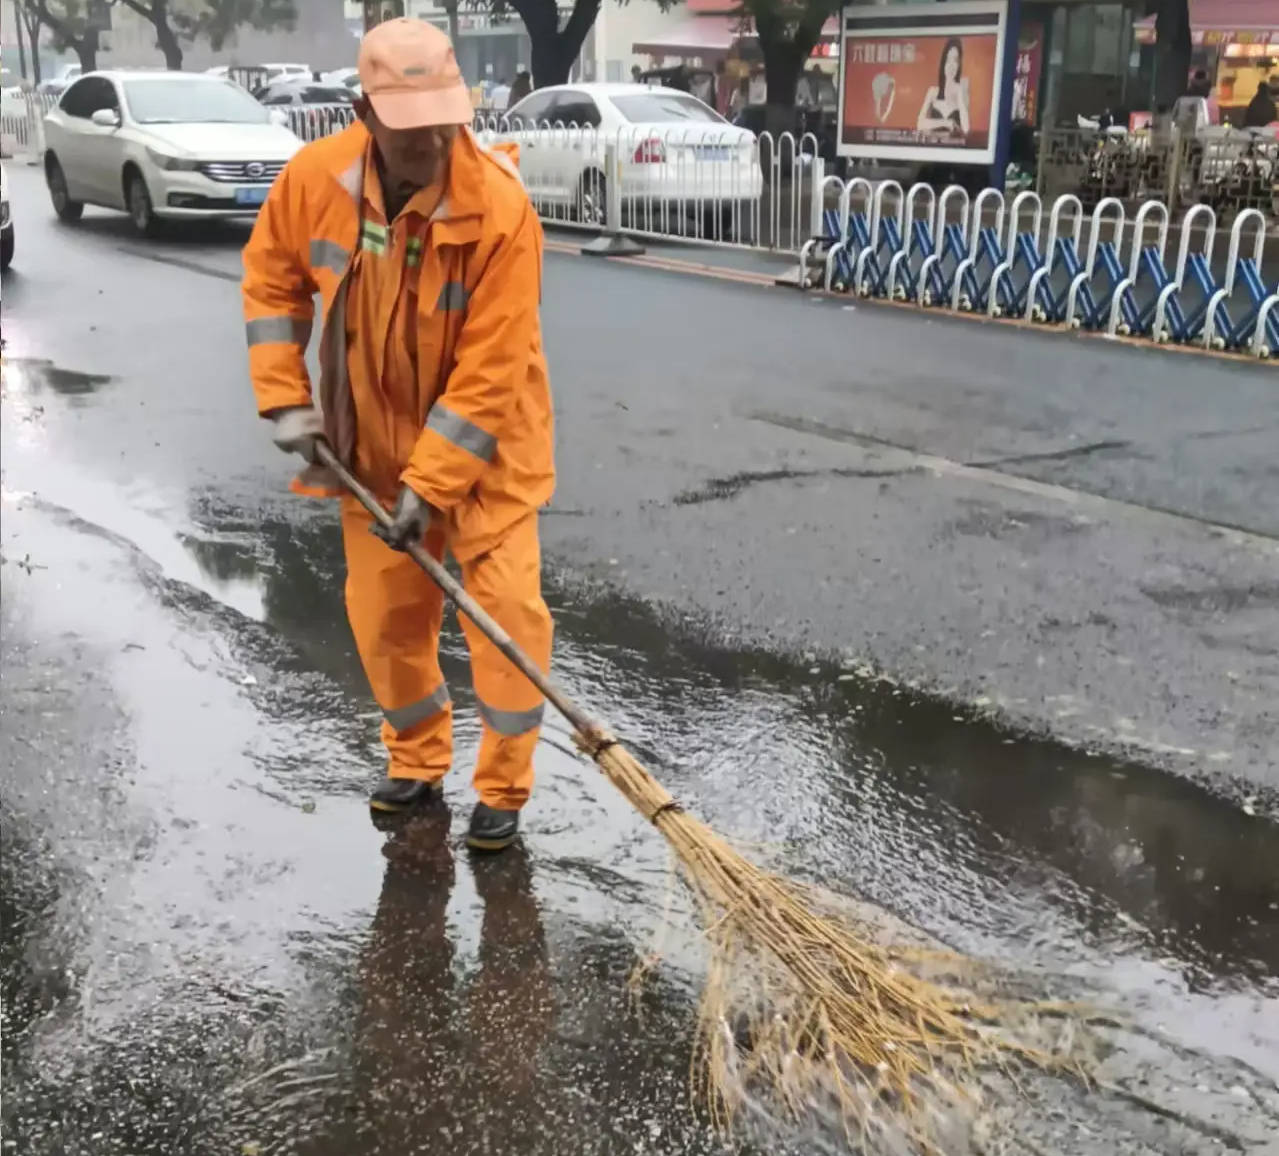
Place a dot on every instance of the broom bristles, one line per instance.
(805, 1015)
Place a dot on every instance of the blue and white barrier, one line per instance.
(997, 258)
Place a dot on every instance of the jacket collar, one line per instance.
(457, 219)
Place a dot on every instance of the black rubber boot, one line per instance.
(395, 795)
(491, 829)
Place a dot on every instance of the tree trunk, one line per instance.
(542, 23)
(782, 65)
(167, 42)
(576, 29)
(450, 8)
(85, 46)
(782, 69)
(31, 19)
(87, 51)
(1172, 52)
(785, 50)
(156, 13)
(554, 50)
(548, 64)
(20, 20)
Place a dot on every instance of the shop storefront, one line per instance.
(1235, 41)
(1074, 58)
(718, 48)
(1091, 67)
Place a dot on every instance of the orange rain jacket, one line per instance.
(473, 435)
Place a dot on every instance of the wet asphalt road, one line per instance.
(763, 537)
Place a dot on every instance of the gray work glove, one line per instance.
(297, 430)
(409, 521)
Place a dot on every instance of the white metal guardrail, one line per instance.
(706, 182)
(312, 121)
(22, 122)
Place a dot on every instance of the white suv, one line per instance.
(162, 145)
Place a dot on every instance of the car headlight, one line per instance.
(165, 161)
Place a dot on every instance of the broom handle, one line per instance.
(587, 728)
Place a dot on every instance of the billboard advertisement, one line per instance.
(922, 82)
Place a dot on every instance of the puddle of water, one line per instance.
(909, 793)
(227, 913)
(27, 378)
(154, 522)
(1002, 845)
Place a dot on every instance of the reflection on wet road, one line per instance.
(204, 950)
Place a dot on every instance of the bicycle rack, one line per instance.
(1106, 253)
(1174, 321)
(1126, 315)
(934, 283)
(834, 231)
(1233, 336)
(839, 259)
(969, 292)
(871, 272)
(1042, 304)
(919, 241)
(1021, 248)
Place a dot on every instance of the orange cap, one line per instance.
(410, 75)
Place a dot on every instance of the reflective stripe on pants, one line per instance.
(403, 718)
(395, 613)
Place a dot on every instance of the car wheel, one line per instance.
(591, 199)
(138, 199)
(6, 250)
(67, 209)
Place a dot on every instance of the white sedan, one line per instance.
(347, 77)
(162, 145)
(675, 155)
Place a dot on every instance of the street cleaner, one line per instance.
(427, 256)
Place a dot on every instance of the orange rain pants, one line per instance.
(396, 611)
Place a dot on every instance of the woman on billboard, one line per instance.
(945, 107)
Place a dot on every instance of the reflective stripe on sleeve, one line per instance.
(329, 255)
(510, 723)
(265, 330)
(462, 433)
(453, 296)
(403, 717)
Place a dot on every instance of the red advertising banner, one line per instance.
(933, 90)
(1030, 62)
(922, 82)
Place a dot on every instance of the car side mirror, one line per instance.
(278, 116)
(106, 118)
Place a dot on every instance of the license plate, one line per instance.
(251, 196)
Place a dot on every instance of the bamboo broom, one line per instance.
(803, 1013)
